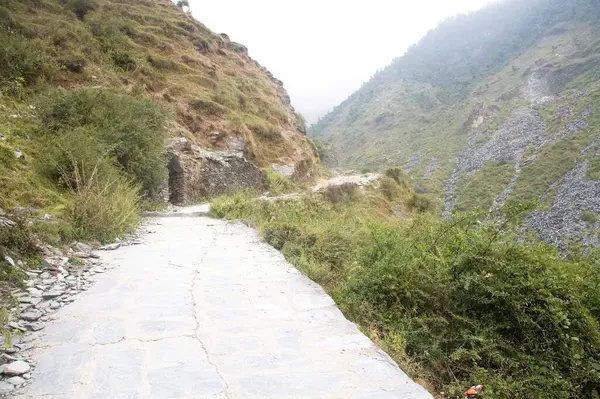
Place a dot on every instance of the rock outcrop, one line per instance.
(196, 174)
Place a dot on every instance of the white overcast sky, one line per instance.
(323, 50)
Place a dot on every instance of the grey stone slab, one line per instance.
(203, 308)
(59, 369)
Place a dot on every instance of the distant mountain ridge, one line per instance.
(494, 106)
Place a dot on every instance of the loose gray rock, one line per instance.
(36, 326)
(16, 381)
(6, 387)
(82, 255)
(16, 326)
(52, 294)
(111, 247)
(45, 275)
(81, 247)
(6, 223)
(16, 368)
(9, 260)
(31, 315)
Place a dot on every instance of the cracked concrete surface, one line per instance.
(204, 309)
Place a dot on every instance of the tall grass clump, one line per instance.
(277, 183)
(104, 208)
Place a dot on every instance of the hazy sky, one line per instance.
(323, 50)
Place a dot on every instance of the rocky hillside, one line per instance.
(495, 106)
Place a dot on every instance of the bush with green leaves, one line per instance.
(473, 305)
(102, 126)
(22, 61)
(423, 203)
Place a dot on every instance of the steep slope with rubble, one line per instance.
(495, 106)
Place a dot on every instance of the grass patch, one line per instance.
(550, 165)
(593, 169)
(589, 217)
(104, 209)
(481, 189)
(279, 184)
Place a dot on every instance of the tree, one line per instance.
(183, 3)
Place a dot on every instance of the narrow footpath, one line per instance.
(203, 308)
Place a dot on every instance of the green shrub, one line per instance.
(397, 174)
(112, 34)
(475, 306)
(23, 59)
(17, 239)
(104, 208)
(128, 130)
(321, 147)
(422, 203)
(71, 158)
(123, 61)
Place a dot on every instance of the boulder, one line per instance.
(196, 174)
(16, 368)
(81, 247)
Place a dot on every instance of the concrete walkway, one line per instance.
(204, 309)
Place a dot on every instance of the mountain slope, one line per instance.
(92, 95)
(494, 106)
(212, 91)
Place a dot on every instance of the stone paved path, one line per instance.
(204, 309)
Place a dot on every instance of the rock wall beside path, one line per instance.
(196, 174)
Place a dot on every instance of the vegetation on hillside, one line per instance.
(456, 88)
(454, 302)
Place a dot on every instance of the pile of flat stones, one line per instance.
(58, 282)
